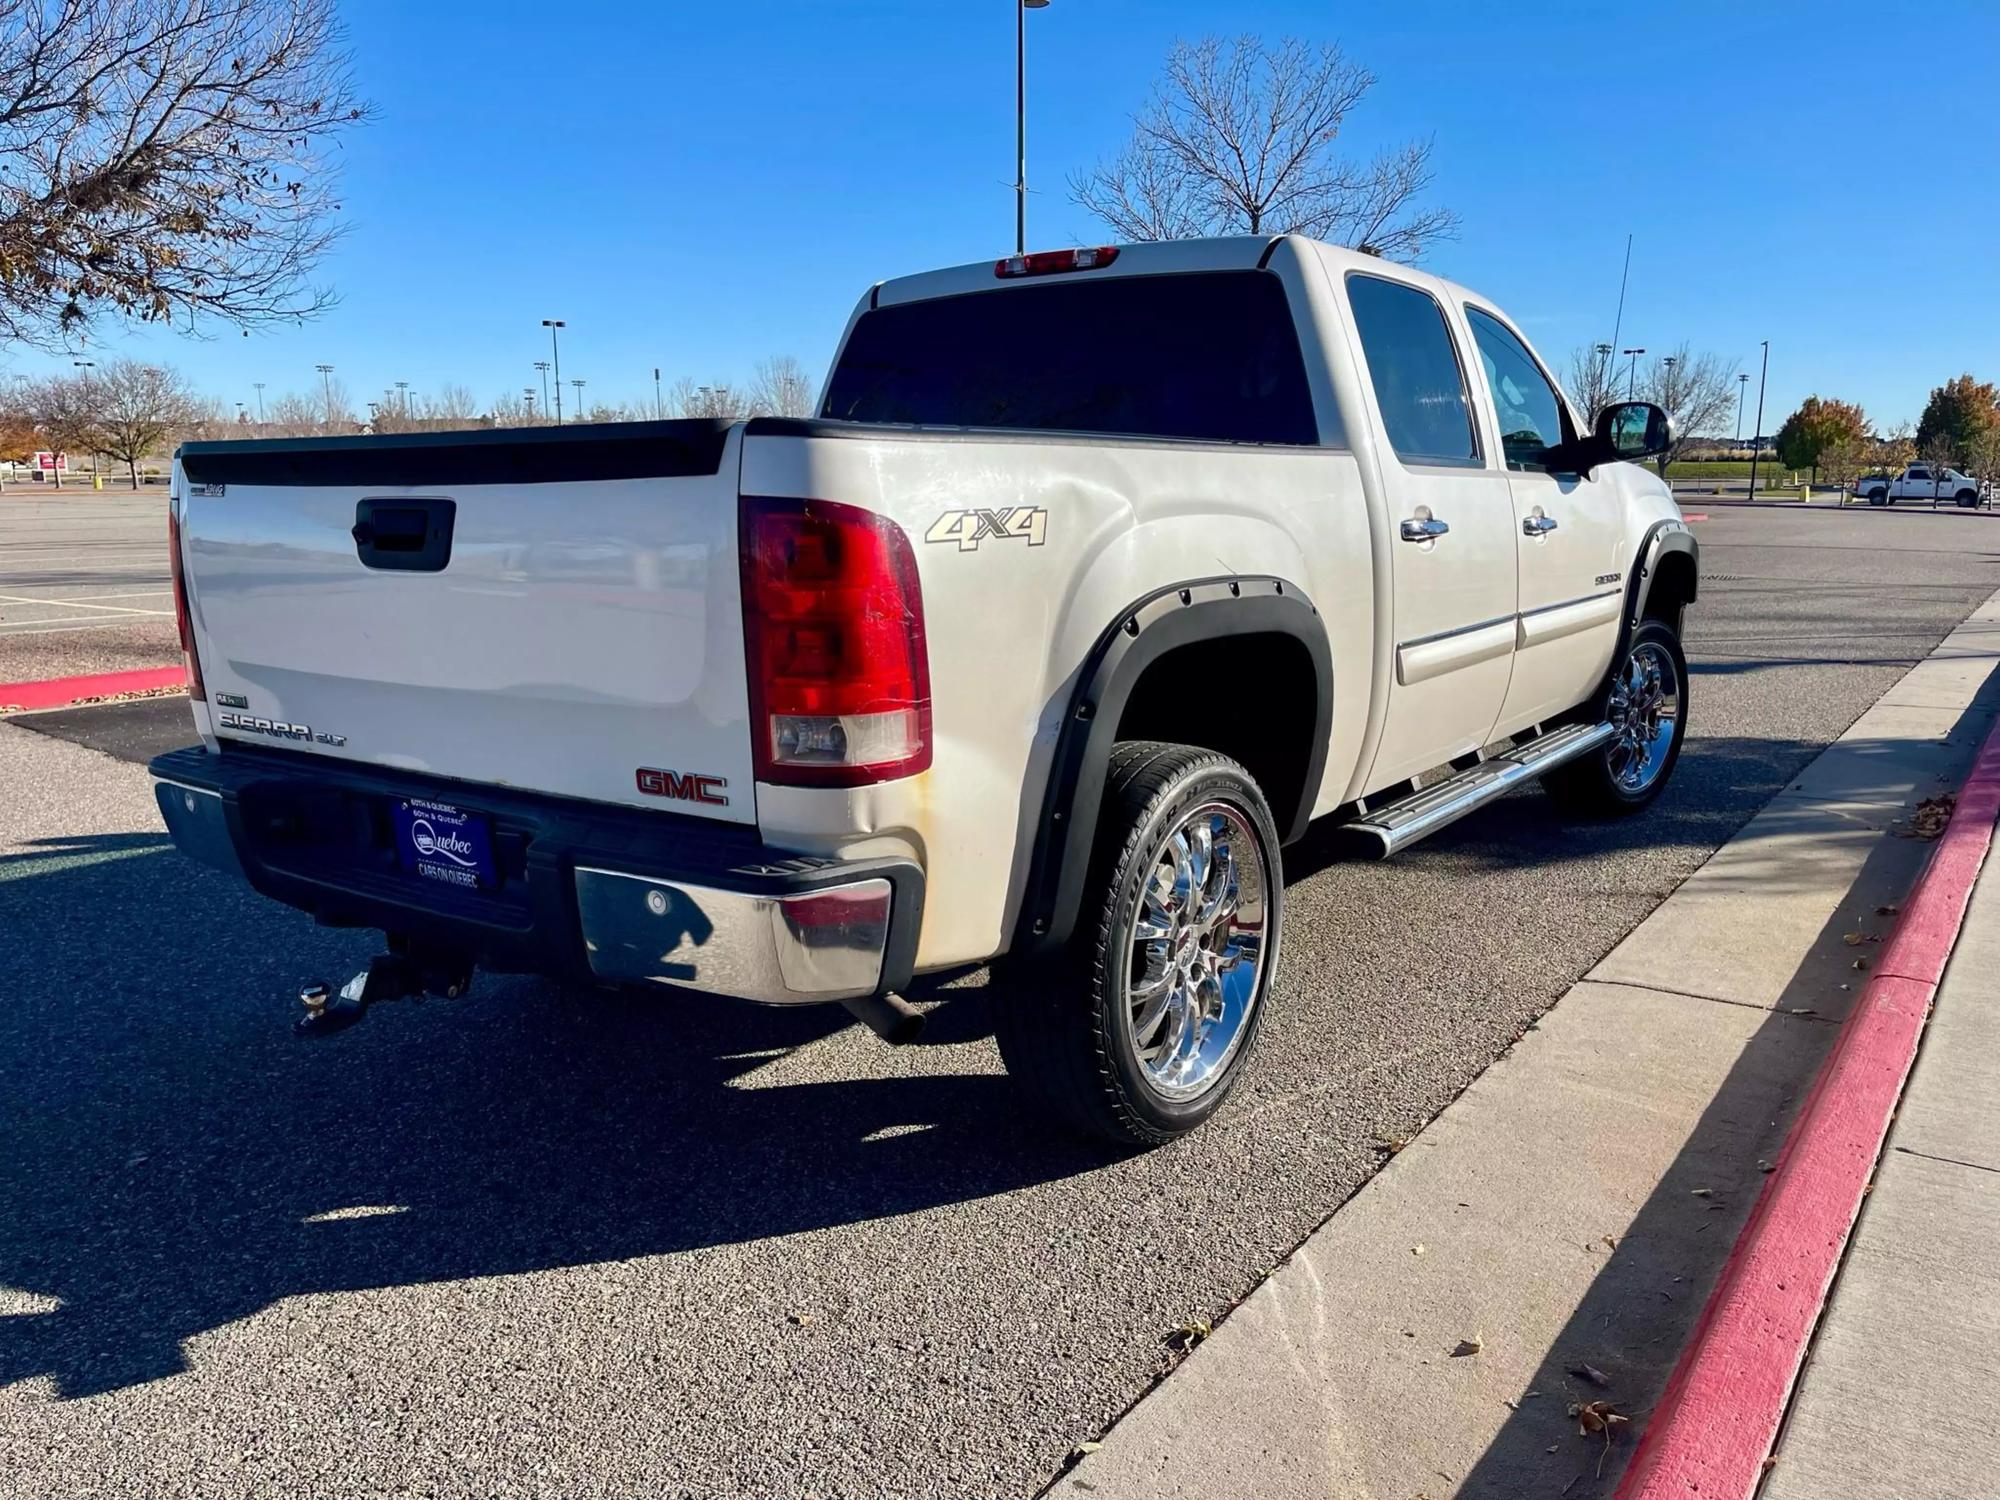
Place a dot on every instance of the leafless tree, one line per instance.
(1593, 378)
(782, 389)
(1240, 138)
(718, 400)
(166, 158)
(1695, 390)
(60, 409)
(135, 407)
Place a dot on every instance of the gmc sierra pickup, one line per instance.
(1099, 576)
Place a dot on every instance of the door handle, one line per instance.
(1538, 525)
(1424, 529)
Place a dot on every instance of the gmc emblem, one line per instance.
(683, 787)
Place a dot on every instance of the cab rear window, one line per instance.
(1208, 357)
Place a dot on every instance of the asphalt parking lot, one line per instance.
(549, 1242)
(83, 584)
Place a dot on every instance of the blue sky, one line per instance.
(697, 185)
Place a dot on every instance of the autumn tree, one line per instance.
(134, 407)
(1695, 391)
(60, 408)
(18, 437)
(1241, 138)
(1817, 425)
(166, 160)
(1955, 417)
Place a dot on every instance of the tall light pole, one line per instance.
(88, 381)
(577, 386)
(1618, 325)
(260, 401)
(1757, 437)
(1632, 372)
(1021, 121)
(1742, 384)
(403, 396)
(326, 380)
(543, 366)
(528, 401)
(552, 324)
(659, 407)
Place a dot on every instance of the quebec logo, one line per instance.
(683, 787)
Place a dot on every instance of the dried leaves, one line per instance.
(1930, 818)
(1468, 1347)
(1590, 1375)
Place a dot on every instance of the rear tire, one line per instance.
(1878, 497)
(1139, 1029)
(1645, 695)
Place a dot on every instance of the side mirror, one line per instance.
(1633, 430)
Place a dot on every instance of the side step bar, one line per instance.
(1397, 825)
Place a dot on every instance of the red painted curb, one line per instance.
(1715, 1425)
(1694, 515)
(60, 692)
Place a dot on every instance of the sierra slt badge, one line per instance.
(277, 729)
(683, 786)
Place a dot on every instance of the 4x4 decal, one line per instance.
(968, 528)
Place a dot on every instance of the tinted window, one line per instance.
(1210, 357)
(1415, 371)
(1530, 412)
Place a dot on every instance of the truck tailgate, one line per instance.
(584, 630)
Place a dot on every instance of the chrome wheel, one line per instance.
(1645, 709)
(1198, 950)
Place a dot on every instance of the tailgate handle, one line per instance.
(413, 535)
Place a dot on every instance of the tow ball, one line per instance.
(395, 975)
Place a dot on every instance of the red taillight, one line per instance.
(1049, 262)
(181, 616)
(840, 691)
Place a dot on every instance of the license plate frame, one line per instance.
(443, 844)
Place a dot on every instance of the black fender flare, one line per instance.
(1177, 615)
(1661, 539)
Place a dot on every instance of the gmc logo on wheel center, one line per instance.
(682, 786)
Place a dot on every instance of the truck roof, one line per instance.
(1157, 258)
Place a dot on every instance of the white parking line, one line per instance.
(35, 627)
(114, 609)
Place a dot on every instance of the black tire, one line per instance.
(1878, 497)
(1967, 499)
(1592, 784)
(1064, 1024)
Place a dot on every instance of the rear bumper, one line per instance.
(621, 897)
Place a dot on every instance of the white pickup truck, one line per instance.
(1919, 482)
(1101, 574)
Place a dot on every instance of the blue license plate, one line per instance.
(435, 841)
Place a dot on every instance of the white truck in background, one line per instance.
(1929, 482)
(1101, 574)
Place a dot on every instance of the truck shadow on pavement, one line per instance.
(172, 1159)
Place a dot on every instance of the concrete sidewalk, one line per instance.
(1549, 1240)
(1898, 1397)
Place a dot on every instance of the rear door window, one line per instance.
(1413, 365)
(1208, 357)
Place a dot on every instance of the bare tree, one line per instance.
(60, 408)
(1593, 379)
(166, 158)
(1695, 390)
(718, 400)
(135, 406)
(1239, 138)
(782, 389)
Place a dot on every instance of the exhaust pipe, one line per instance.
(890, 1017)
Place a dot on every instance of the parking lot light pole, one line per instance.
(1742, 384)
(659, 405)
(1757, 437)
(326, 382)
(260, 401)
(577, 386)
(543, 366)
(555, 354)
(1021, 121)
(1632, 372)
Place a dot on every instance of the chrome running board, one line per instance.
(1399, 824)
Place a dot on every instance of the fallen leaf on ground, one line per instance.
(1083, 1448)
(1591, 1374)
(1930, 818)
(1417, 1249)
(1389, 1145)
(1764, 1166)
(798, 1319)
(1469, 1346)
(1189, 1334)
(1854, 938)
(1611, 1242)
(1803, 1010)
(1702, 1192)
(1860, 963)
(1596, 1416)
(1886, 911)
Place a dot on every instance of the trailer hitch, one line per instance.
(395, 975)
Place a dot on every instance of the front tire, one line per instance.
(1967, 499)
(1139, 1030)
(1645, 698)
